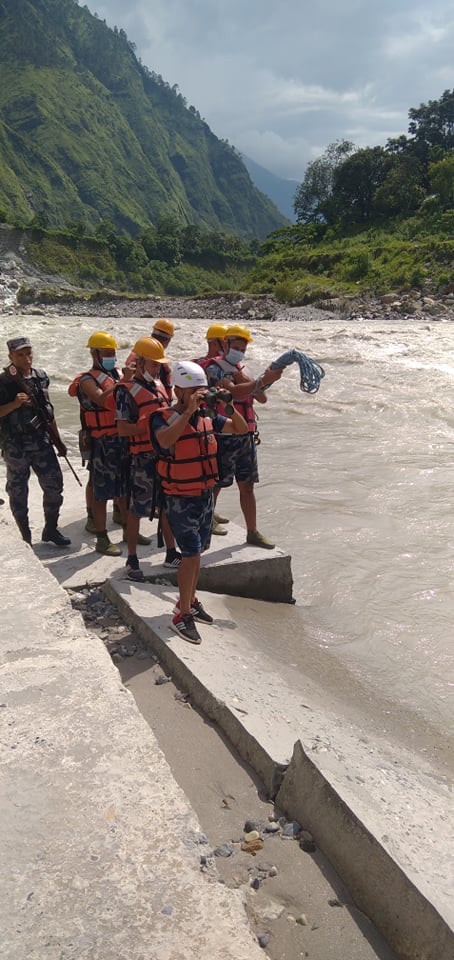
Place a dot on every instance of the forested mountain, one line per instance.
(89, 134)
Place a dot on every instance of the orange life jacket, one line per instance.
(164, 375)
(192, 466)
(245, 406)
(148, 399)
(101, 421)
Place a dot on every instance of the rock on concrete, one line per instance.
(100, 848)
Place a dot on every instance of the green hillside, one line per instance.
(87, 133)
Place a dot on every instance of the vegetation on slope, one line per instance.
(89, 133)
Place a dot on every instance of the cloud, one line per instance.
(282, 81)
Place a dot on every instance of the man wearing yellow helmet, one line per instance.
(163, 331)
(237, 455)
(215, 337)
(109, 463)
(136, 400)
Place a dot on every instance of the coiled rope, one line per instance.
(311, 372)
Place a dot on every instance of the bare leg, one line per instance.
(100, 514)
(167, 534)
(188, 575)
(248, 503)
(132, 533)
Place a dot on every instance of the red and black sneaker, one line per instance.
(183, 624)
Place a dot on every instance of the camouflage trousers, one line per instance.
(35, 454)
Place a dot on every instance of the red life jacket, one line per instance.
(192, 467)
(101, 421)
(245, 406)
(148, 398)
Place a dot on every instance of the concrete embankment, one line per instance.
(380, 814)
(376, 811)
(100, 848)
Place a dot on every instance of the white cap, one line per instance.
(188, 374)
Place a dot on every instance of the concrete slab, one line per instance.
(229, 566)
(100, 847)
(379, 812)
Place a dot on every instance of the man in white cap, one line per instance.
(187, 464)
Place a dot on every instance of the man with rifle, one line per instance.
(28, 434)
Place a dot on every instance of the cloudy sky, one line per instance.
(281, 79)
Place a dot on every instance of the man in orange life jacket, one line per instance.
(215, 338)
(237, 456)
(163, 331)
(136, 400)
(187, 466)
(109, 464)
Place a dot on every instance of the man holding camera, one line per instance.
(27, 433)
(185, 437)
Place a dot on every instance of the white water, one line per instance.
(356, 484)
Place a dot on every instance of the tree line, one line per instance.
(348, 186)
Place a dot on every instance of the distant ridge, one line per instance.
(88, 133)
(278, 189)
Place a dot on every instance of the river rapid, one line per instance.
(356, 483)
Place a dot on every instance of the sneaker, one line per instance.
(218, 530)
(141, 540)
(90, 525)
(256, 539)
(53, 535)
(219, 519)
(184, 625)
(172, 560)
(133, 571)
(198, 611)
(105, 546)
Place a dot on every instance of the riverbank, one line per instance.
(49, 295)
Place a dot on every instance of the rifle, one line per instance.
(41, 419)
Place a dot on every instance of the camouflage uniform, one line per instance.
(26, 447)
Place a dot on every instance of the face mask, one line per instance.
(234, 356)
(147, 376)
(108, 363)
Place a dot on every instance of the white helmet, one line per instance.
(188, 374)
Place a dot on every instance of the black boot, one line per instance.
(52, 534)
(25, 531)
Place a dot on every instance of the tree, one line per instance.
(311, 203)
(402, 190)
(442, 180)
(433, 122)
(356, 182)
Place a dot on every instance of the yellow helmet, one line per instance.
(102, 341)
(150, 348)
(238, 333)
(217, 331)
(164, 326)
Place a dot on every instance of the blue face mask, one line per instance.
(108, 363)
(234, 356)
